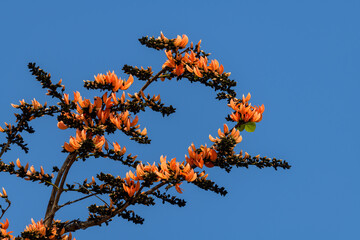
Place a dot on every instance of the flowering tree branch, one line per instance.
(93, 120)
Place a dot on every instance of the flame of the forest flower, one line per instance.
(189, 174)
(3, 229)
(3, 194)
(129, 186)
(40, 229)
(197, 158)
(177, 187)
(197, 72)
(35, 104)
(112, 78)
(179, 70)
(118, 149)
(76, 142)
(18, 163)
(162, 37)
(194, 158)
(62, 125)
(66, 98)
(190, 62)
(235, 134)
(143, 170)
(244, 111)
(181, 41)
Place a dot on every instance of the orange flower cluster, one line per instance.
(143, 171)
(34, 103)
(118, 149)
(32, 172)
(117, 83)
(3, 229)
(192, 64)
(40, 229)
(102, 115)
(174, 169)
(197, 158)
(244, 111)
(179, 42)
(75, 143)
(235, 134)
(165, 171)
(190, 61)
(122, 121)
(130, 187)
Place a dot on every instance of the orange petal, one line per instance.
(62, 125)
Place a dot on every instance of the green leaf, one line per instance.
(250, 127)
(241, 127)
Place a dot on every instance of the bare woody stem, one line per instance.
(56, 191)
(4, 210)
(152, 79)
(77, 200)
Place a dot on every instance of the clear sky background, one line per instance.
(300, 58)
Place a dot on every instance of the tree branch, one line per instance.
(77, 200)
(152, 79)
(56, 191)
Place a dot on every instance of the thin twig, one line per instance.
(10, 138)
(152, 79)
(77, 200)
(4, 210)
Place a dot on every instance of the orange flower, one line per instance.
(76, 142)
(4, 232)
(198, 46)
(169, 63)
(189, 173)
(244, 111)
(209, 153)
(214, 65)
(197, 158)
(66, 98)
(118, 149)
(36, 104)
(40, 229)
(143, 171)
(62, 125)
(99, 142)
(197, 72)
(235, 134)
(179, 70)
(162, 37)
(112, 78)
(37, 227)
(177, 187)
(181, 41)
(194, 157)
(4, 193)
(130, 187)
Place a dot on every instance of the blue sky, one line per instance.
(300, 58)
